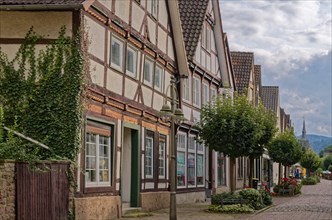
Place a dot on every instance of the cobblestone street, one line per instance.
(314, 203)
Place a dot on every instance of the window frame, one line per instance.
(220, 156)
(121, 43)
(160, 77)
(186, 89)
(196, 91)
(97, 183)
(135, 56)
(184, 151)
(162, 139)
(191, 151)
(148, 61)
(149, 136)
(205, 94)
(200, 152)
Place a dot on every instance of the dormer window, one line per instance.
(154, 7)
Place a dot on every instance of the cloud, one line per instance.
(292, 42)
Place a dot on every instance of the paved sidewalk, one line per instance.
(315, 203)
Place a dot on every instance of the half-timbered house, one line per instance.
(199, 170)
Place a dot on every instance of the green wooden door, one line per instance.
(135, 169)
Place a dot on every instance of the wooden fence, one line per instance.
(42, 191)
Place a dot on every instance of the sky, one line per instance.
(292, 41)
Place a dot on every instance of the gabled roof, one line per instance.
(270, 97)
(242, 64)
(258, 78)
(192, 13)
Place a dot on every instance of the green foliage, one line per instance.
(298, 188)
(310, 160)
(330, 168)
(327, 161)
(309, 181)
(326, 149)
(266, 197)
(253, 197)
(285, 148)
(235, 127)
(216, 199)
(319, 171)
(42, 93)
(237, 208)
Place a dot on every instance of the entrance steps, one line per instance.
(128, 211)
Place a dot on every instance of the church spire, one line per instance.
(304, 132)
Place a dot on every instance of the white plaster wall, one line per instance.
(275, 172)
(162, 185)
(137, 17)
(170, 48)
(197, 57)
(130, 88)
(197, 115)
(122, 10)
(163, 16)
(158, 101)
(186, 111)
(107, 3)
(114, 82)
(162, 39)
(152, 26)
(15, 24)
(96, 37)
(149, 185)
(147, 95)
(97, 73)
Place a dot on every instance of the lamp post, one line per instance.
(175, 116)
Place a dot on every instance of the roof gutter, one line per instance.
(39, 7)
(180, 50)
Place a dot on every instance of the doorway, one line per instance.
(130, 169)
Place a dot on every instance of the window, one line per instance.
(196, 91)
(131, 62)
(148, 70)
(213, 94)
(116, 53)
(191, 169)
(158, 78)
(149, 155)
(205, 94)
(181, 160)
(221, 169)
(97, 160)
(208, 38)
(162, 156)
(200, 178)
(154, 7)
(186, 89)
(240, 167)
(203, 41)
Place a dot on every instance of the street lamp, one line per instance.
(174, 115)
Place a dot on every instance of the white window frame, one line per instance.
(152, 158)
(186, 89)
(97, 183)
(183, 150)
(162, 155)
(200, 152)
(151, 70)
(196, 92)
(114, 65)
(213, 94)
(154, 8)
(160, 87)
(205, 94)
(191, 138)
(208, 38)
(134, 52)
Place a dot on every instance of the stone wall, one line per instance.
(155, 200)
(7, 190)
(99, 207)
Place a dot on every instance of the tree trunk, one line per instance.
(232, 173)
(285, 172)
(245, 174)
(279, 174)
(251, 174)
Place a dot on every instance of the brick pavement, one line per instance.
(315, 203)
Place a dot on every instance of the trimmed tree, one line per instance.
(311, 161)
(327, 161)
(233, 128)
(285, 149)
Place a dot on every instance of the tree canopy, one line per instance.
(235, 127)
(285, 148)
(310, 160)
